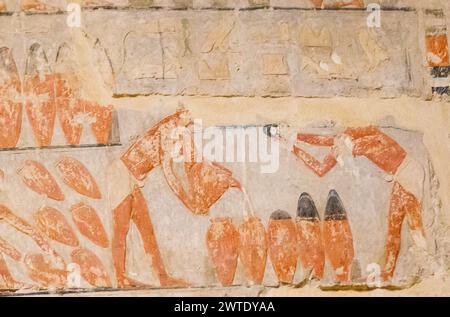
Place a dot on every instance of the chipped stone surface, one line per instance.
(91, 199)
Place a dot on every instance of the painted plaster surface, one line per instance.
(91, 197)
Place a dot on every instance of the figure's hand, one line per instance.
(320, 168)
(303, 137)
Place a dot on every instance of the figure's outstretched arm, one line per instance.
(288, 139)
(174, 183)
(320, 168)
(316, 139)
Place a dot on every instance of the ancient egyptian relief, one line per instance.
(121, 213)
(285, 241)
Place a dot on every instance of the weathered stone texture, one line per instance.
(90, 197)
(184, 53)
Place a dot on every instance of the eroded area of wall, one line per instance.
(343, 184)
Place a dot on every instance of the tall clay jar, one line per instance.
(222, 240)
(282, 241)
(253, 249)
(10, 106)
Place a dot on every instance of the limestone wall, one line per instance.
(92, 199)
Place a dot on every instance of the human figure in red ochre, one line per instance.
(406, 174)
(206, 181)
